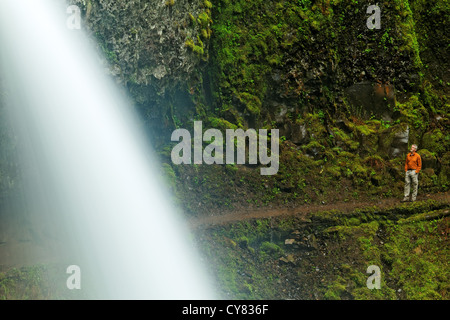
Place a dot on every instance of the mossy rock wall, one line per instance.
(348, 100)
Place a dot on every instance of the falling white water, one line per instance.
(89, 170)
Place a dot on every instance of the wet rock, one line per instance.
(282, 111)
(371, 98)
(399, 144)
(145, 42)
(159, 72)
(289, 259)
(402, 137)
(296, 233)
(299, 134)
(289, 241)
(393, 142)
(429, 160)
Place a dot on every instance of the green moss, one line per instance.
(411, 261)
(190, 43)
(205, 34)
(196, 48)
(271, 249)
(336, 289)
(192, 18)
(414, 113)
(38, 282)
(354, 221)
(344, 139)
(313, 147)
(170, 3)
(413, 248)
(251, 102)
(203, 19)
(334, 171)
(435, 141)
(207, 4)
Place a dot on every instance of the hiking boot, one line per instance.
(413, 199)
(405, 199)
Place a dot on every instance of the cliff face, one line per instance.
(348, 100)
(152, 48)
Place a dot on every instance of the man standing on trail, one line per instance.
(413, 165)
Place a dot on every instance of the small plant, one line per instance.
(207, 4)
(271, 249)
(198, 49)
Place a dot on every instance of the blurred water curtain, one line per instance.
(87, 168)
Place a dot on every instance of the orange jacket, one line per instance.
(413, 162)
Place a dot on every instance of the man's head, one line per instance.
(413, 148)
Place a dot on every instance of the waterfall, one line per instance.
(88, 169)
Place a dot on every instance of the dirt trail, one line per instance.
(24, 242)
(303, 210)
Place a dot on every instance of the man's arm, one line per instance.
(419, 163)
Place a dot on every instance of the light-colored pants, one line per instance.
(411, 177)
